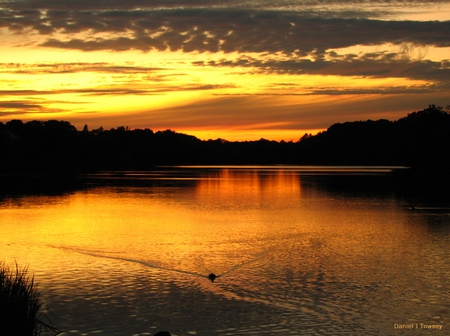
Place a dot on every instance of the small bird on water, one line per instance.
(212, 277)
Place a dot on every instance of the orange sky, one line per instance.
(238, 70)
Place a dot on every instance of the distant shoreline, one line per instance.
(55, 152)
(402, 178)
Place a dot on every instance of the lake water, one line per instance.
(297, 251)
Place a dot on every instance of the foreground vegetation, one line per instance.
(21, 309)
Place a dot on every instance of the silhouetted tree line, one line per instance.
(421, 139)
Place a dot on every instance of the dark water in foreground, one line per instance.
(297, 251)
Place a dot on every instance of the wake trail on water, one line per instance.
(104, 254)
(257, 258)
(100, 254)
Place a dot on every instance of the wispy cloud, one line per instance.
(380, 66)
(14, 108)
(65, 68)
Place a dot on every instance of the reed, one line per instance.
(21, 309)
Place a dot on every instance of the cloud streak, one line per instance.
(14, 108)
(244, 31)
(366, 66)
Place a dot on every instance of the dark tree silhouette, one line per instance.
(420, 140)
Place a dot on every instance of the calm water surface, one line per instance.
(297, 251)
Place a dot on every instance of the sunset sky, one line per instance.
(232, 69)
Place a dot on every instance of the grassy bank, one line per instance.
(21, 309)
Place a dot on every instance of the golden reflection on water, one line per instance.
(275, 238)
(229, 184)
(229, 217)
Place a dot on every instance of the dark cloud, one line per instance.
(103, 4)
(164, 25)
(113, 90)
(87, 91)
(333, 91)
(240, 31)
(379, 65)
(151, 90)
(62, 68)
(17, 107)
(274, 4)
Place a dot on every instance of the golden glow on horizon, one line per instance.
(251, 135)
